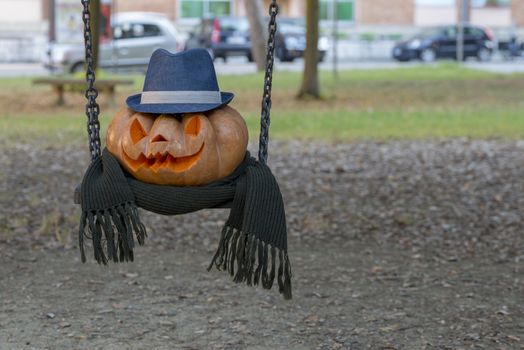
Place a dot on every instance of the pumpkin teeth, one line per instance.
(135, 164)
(163, 161)
(160, 162)
(181, 164)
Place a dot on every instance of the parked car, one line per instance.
(512, 48)
(441, 42)
(229, 36)
(290, 41)
(135, 36)
(222, 37)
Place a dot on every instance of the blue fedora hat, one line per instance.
(184, 82)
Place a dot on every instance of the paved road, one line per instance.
(21, 70)
(501, 67)
(239, 65)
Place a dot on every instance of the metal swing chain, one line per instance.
(268, 82)
(92, 109)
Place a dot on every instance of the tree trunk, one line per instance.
(95, 30)
(257, 30)
(310, 86)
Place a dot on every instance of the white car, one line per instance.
(135, 36)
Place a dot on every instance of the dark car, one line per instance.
(512, 48)
(441, 42)
(222, 37)
(229, 36)
(290, 40)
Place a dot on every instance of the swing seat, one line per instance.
(253, 241)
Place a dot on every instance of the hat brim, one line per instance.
(133, 102)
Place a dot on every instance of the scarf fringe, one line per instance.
(112, 232)
(255, 261)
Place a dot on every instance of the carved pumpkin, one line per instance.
(191, 150)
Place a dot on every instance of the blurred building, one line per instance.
(368, 28)
(23, 29)
(356, 18)
(32, 14)
(498, 13)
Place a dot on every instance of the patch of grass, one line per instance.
(62, 128)
(291, 80)
(417, 102)
(20, 83)
(15, 83)
(324, 125)
(384, 125)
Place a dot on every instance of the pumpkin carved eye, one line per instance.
(193, 126)
(137, 131)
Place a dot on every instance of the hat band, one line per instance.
(177, 97)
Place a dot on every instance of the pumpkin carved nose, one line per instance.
(159, 138)
(175, 136)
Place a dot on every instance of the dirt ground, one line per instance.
(398, 245)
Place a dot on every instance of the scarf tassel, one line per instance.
(112, 232)
(250, 260)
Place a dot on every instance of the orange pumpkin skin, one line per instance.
(193, 150)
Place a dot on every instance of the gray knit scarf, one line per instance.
(253, 240)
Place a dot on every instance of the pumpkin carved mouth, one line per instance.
(165, 160)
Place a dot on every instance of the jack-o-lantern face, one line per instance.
(191, 150)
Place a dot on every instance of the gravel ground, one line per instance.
(398, 245)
